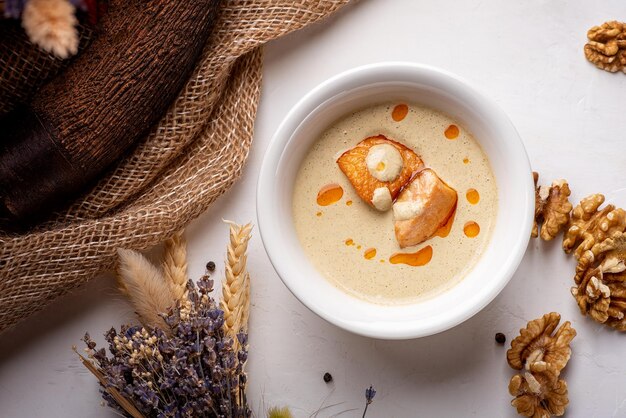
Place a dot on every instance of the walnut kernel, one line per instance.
(539, 392)
(552, 207)
(589, 226)
(600, 278)
(536, 342)
(607, 46)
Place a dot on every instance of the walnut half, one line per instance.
(539, 392)
(537, 342)
(600, 278)
(542, 353)
(590, 225)
(552, 208)
(607, 46)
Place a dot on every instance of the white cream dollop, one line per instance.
(384, 162)
(382, 199)
(408, 210)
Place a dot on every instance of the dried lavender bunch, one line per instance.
(192, 373)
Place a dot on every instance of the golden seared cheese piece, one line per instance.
(422, 207)
(378, 163)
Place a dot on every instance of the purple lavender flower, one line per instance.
(370, 392)
(192, 370)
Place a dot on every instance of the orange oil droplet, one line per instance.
(471, 229)
(380, 166)
(419, 258)
(466, 160)
(370, 253)
(349, 242)
(399, 112)
(329, 194)
(382, 261)
(358, 247)
(472, 196)
(452, 132)
(319, 214)
(444, 230)
(349, 203)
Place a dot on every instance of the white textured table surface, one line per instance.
(572, 118)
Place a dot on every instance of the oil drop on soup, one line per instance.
(354, 245)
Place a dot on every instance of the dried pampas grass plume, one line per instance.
(236, 285)
(145, 287)
(51, 24)
(175, 265)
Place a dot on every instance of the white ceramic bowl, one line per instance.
(353, 90)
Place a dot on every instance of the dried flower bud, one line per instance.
(370, 392)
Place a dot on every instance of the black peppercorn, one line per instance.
(210, 266)
(328, 377)
(500, 338)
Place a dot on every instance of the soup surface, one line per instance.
(354, 245)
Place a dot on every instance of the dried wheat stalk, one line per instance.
(236, 285)
(119, 398)
(145, 287)
(175, 265)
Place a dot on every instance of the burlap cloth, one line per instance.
(192, 157)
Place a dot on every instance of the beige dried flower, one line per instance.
(552, 208)
(51, 25)
(539, 393)
(589, 225)
(600, 278)
(607, 46)
(145, 287)
(537, 342)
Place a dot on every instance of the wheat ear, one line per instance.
(175, 265)
(236, 285)
(145, 287)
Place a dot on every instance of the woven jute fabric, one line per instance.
(190, 158)
(24, 67)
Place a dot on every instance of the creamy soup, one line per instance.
(354, 245)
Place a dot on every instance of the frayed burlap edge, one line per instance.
(192, 157)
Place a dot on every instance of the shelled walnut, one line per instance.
(539, 392)
(542, 353)
(607, 46)
(552, 208)
(537, 342)
(589, 225)
(600, 278)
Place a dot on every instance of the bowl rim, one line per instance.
(281, 139)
